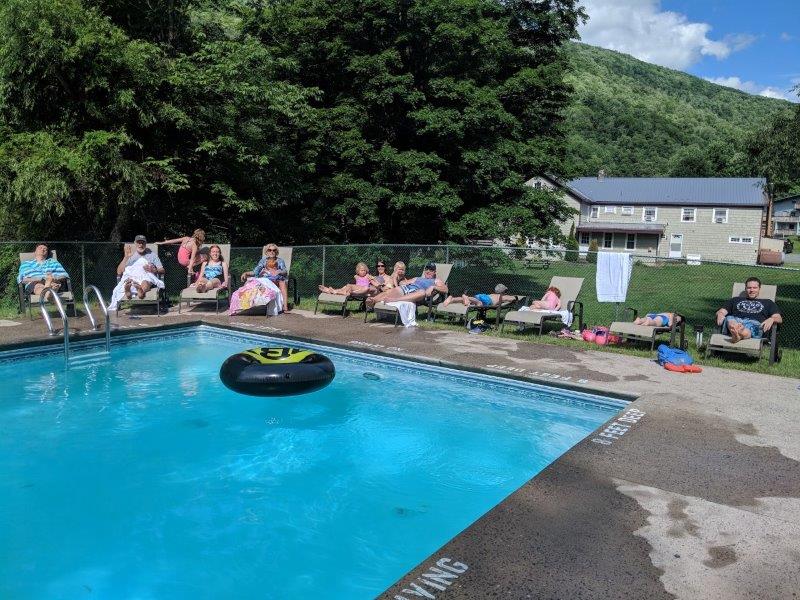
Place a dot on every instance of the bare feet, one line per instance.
(639, 321)
(447, 301)
(735, 331)
(325, 289)
(141, 293)
(128, 294)
(465, 300)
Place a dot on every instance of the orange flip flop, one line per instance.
(675, 368)
(692, 369)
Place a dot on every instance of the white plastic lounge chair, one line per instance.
(720, 342)
(190, 293)
(382, 308)
(153, 295)
(29, 299)
(570, 288)
(646, 333)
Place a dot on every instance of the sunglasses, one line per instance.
(379, 266)
(272, 249)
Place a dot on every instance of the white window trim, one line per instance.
(628, 210)
(694, 215)
(740, 239)
(609, 210)
(714, 216)
(604, 240)
(594, 212)
(588, 238)
(644, 214)
(635, 241)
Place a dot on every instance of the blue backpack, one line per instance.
(675, 356)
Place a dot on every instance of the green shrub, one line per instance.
(571, 254)
(591, 257)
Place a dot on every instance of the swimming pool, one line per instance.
(144, 477)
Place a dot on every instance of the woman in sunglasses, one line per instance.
(273, 268)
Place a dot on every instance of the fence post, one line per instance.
(447, 255)
(323, 265)
(83, 267)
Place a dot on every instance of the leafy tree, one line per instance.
(775, 152)
(432, 113)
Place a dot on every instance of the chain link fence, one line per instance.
(657, 284)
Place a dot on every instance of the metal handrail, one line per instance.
(62, 312)
(103, 307)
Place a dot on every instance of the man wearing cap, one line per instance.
(414, 289)
(132, 256)
(480, 300)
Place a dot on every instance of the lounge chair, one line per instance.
(570, 288)
(28, 299)
(646, 333)
(153, 296)
(507, 302)
(381, 308)
(284, 252)
(190, 293)
(720, 342)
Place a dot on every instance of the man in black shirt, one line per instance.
(748, 316)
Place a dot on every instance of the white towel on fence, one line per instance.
(613, 276)
(137, 274)
(408, 312)
(566, 316)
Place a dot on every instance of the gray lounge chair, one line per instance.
(153, 296)
(28, 299)
(461, 311)
(190, 293)
(284, 252)
(646, 333)
(720, 342)
(570, 288)
(382, 308)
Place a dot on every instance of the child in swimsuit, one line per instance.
(189, 251)
(361, 287)
(481, 299)
(213, 272)
(550, 301)
(655, 320)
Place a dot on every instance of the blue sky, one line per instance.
(753, 46)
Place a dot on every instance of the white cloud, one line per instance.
(786, 37)
(751, 87)
(642, 29)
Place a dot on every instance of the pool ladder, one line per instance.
(48, 291)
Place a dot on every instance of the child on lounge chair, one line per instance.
(550, 301)
(361, 287)
(213, 272)
(480, 300)
(655, 319)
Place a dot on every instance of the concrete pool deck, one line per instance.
(692, 491)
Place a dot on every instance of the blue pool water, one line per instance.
(145, 477)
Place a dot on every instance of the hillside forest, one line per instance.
(309, 121)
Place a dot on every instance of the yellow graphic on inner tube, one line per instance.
(266, 356)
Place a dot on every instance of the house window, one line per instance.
(649, 214)
(688, 215)
(610, 209)
(584, 238)
(608, 240)
(630, 242)
(537, 185)
(720, 215)
(747, 240)
(594, 212)
(737, 239)
(627, 210)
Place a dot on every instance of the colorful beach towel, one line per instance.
(257, 291)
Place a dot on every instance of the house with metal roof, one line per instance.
(714, 218)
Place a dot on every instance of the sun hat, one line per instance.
(500, 289)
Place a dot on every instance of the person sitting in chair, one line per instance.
(41, 272)
(414, 289)
(150, 264)
(748, 316)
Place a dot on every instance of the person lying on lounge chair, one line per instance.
(748, 317)
(364, 284)
(41, 272)
(139, 269)
(663, 319)
(414, 290)
(480, 299)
